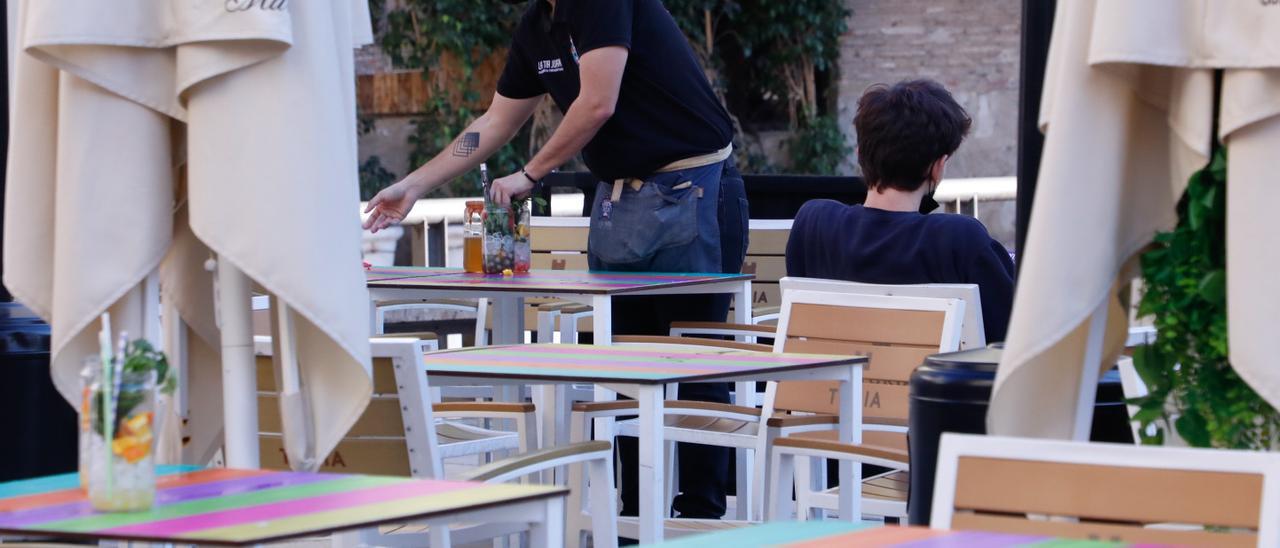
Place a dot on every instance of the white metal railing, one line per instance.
(437, 214)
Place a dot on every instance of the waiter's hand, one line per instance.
(390, 206)
(510, 187)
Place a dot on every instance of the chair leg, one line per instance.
(672, 487)
(803, 486)
(604, 506)
(482, 311)
(577, 485)
(782, 472)
(546, 325)
(569, 329)
(820, 477)
(439, 533)
(747, 488)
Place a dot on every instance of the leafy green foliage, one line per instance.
(424, 34)
(783, 44)
(140, 358)
(818, 147)
(374, 177)
(1191, 382)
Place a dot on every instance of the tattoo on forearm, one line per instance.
(466, 144)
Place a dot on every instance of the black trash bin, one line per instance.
(950, 393)
(39, 429)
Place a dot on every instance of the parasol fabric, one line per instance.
(1127, 113)
(238, 116)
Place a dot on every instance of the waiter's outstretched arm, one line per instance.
(479, 141)
(600, 76)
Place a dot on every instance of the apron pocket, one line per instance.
(642, 222)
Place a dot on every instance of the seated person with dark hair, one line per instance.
(906, 133)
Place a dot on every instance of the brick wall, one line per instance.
(970, 46)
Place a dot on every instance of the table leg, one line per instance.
(651, 464)
(851, 432)
(602, 319)
(548, 533)
(748, 465)
(508, 320)
(742, 310)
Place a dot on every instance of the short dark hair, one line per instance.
(903, 129)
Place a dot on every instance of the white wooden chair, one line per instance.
(375, 443)
(403, 433)
(973, 334)
(1109, 492)
(478, 307)
(896, 335)
(815, 322)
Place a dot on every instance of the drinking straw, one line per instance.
(484, 180)
(108, 397)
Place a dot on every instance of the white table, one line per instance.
(597, 289)
(647, 369)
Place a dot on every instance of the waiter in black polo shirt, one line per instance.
(640, 110)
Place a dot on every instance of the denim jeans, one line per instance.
(668, 230)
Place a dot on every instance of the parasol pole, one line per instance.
(1082, 427)
(239, 372)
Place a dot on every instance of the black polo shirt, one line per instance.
(666, 109)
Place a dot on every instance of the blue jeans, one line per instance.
(666, 230)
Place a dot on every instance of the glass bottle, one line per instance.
(473, 237)
(122, 470)
(523, 247)
(499, 239)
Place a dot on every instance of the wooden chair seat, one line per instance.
(890, 440)
(852, 449)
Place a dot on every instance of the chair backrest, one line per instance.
(766, 259)
(377, 443)
(972, 332)
(1107, 491)
(559, 243)
(896, 333)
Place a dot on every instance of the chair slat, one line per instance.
(1113, 532)
(558, 238)
(768, 241)
(865, 324)
(887, 363)
(384, 457)
(1114, 493)
(384, 379)
(766, 268)
(558, 261)
(381, 418)
(882, 402)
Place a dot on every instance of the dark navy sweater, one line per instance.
(862, 244)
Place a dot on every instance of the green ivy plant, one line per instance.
(818, 147)
(374, 177)
(420, 34)
(1192, 386)
(785, 45)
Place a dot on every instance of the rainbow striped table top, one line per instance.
(233, 507)
(379, 273)
(630, 364)
(541, 281)
(824, 534)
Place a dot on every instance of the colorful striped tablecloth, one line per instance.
(832, 534)
(631, 364)
(225, 506)
(544, 281)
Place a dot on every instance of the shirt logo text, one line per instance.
(550, 65)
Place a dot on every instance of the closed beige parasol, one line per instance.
(1127, 114)
(153, 135)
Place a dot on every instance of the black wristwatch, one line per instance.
(537, 183)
